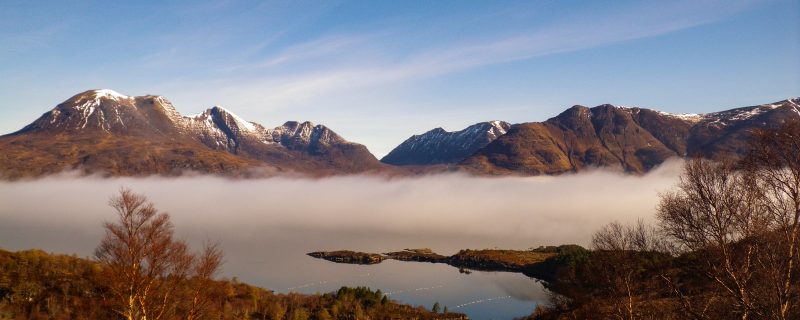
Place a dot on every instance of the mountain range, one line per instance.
(101, 131)
(104, 132)
(631, 139)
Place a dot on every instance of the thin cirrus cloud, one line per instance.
(317, 48)
(27, 40)
(348, 62)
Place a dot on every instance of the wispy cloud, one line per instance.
(354, 62)
(322, 47)
(21, 42)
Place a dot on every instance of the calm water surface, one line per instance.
(481, 295)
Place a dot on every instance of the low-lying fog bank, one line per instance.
(445, 212)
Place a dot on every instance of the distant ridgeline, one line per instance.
(107, 133)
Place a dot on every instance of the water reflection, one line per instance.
(481, 295)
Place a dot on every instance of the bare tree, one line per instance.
(774, 167)
(715, 211)
(619, 251)
(744, 220)
(204, 270)
(142, 261)
(631, 238)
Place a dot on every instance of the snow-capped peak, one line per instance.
(500, 126)
(108, 93)
(794, 102)
(243, 124)
(217, 127)
(440, 146)
(297, 129)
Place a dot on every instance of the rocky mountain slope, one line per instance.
(438, 146)
(105, 132)
(630, 139)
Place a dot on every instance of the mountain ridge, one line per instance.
(102, 131)
(105, 115)
(630, 139)
(438, 146)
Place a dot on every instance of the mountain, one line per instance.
(101, 131)
(104, 132)
(630, 139)
(723, 134)
(438, 146)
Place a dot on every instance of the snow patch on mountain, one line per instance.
(305, 133)
(241, 123)
(168, 109)
(724, 118)
(110, 94)
(440, 146)
(203, 121)
(692, 117)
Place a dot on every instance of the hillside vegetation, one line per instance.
(38, 285)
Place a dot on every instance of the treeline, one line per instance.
(726, 245)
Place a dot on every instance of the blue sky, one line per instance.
(377, 72)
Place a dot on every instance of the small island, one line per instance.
(347, 256)
(418, 255)
(530, 262)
